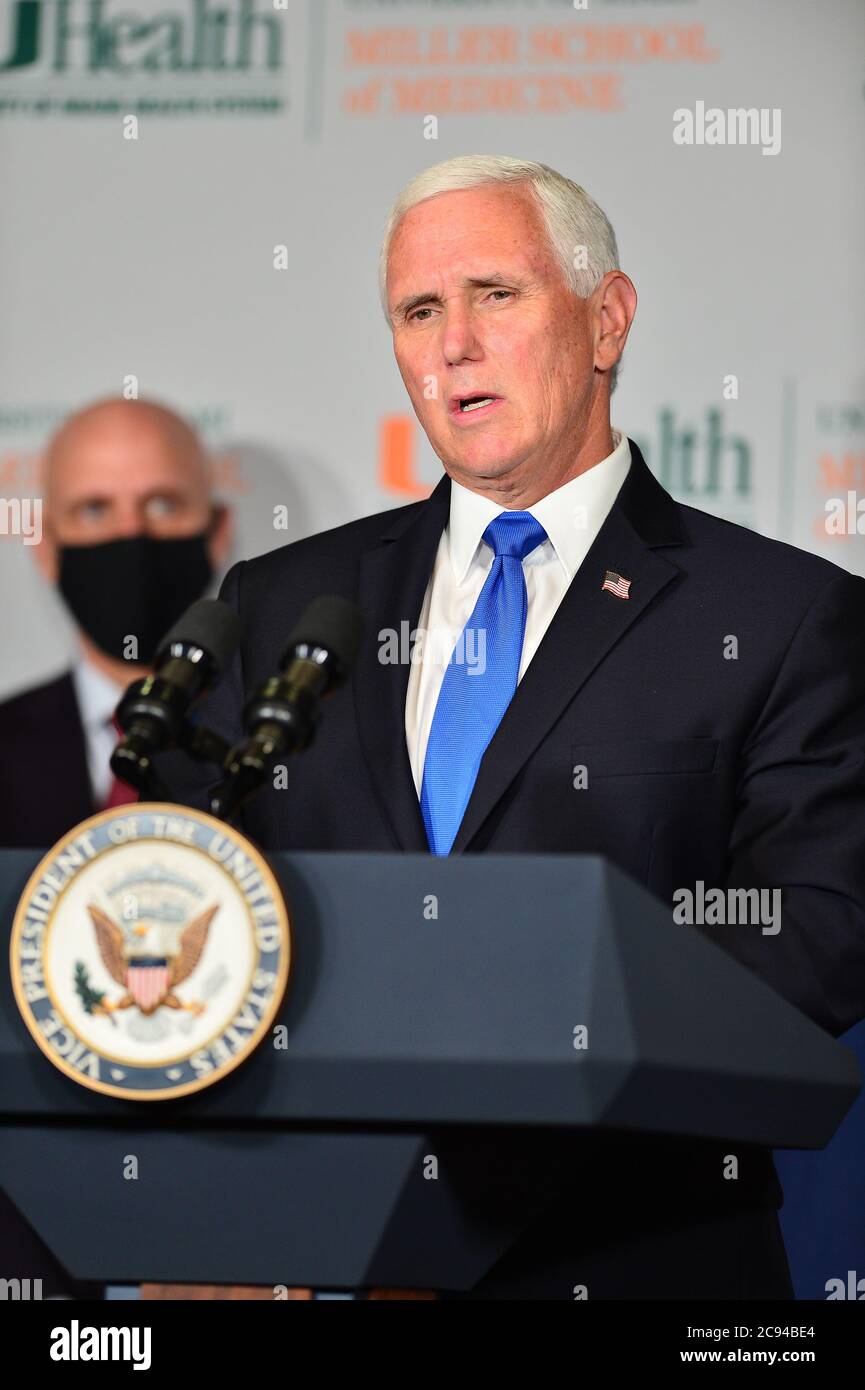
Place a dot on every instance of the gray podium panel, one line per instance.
(469, 1018)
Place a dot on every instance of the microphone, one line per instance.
(283, 715)
(192, 655)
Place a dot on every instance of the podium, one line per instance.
(454, 1029)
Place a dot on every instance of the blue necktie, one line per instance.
(474, 695)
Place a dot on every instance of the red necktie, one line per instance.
(119, 793)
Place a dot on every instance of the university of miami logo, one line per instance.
(150, 951)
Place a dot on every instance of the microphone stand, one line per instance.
(282, 718)
(132, 759)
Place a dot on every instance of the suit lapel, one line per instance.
(391, 588)
(586, 626)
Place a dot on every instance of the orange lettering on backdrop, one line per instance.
(396, 457)
(486, 46)
(363, 101)
(635, 43)
(841, 477)
(529, 93)
(375, 47)
(455, 47)
(21, 471)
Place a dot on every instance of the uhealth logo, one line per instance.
(83, 36)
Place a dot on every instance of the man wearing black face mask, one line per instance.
(130, 538)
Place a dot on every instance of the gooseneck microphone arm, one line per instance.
(283, 715)
(153, 711)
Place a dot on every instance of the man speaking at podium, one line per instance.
(602, 670)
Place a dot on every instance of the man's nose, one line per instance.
(129, 519)
(459, 336)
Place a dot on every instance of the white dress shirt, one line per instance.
(98, 698)
(572, 516)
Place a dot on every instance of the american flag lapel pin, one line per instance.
(615, 584)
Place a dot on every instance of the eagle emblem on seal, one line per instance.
(150, 960)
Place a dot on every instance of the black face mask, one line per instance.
(135, 587)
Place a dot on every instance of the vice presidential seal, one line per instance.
(150, 951)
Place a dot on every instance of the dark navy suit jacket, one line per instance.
(44, 781)
(739, 772)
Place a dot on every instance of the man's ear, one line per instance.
(220, 536)
(46, 555)
(616, 304)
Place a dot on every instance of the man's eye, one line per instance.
(415, 313)
(500, 291)
(92, 511)
(161, 506)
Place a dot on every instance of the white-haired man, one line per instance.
(604, 608)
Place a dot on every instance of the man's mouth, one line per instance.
(468, 405)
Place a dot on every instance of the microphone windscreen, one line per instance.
(210, 624)
(331, 622)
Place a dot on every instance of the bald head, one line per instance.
(121, 468)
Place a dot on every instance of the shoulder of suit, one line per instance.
(56, 691)
(730, 549)
(340, 542)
